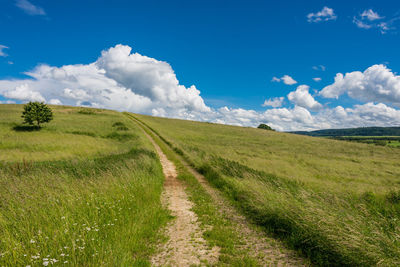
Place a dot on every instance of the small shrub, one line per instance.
(265, 127)
(84, 133)
(121, 137)
(87, 111)
(120, 126)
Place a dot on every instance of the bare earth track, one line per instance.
(186, 246)
(268, 251)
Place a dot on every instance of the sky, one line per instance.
(294, 65)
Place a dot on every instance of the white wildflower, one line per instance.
(45, 263)
(33, 241)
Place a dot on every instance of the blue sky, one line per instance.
(230, 51)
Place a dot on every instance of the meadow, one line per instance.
(336, 202)
(84, 190)
(392, 141)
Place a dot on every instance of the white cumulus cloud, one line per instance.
(119, 80)
(317, 79)
(286, 79)
(319, 68)
(2, 53)
(126, 81)
(324, 15)
(370, 15)
(361, 24)
(370, 19)
(377, 84)
(273, 102)
(365, 115)
(24, 92)
(30, 8)
(302, 97)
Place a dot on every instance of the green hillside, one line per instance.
(82, 191)
(85, 190)
(337, 202)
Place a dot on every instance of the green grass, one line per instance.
(335, 201)
(219, 230)
(70, 135)
(78, 191)
(391, 141)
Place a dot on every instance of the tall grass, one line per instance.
(70, 135)
(102, 210)
(325, 198)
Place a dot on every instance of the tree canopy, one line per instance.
(36, 112)
(265, 127)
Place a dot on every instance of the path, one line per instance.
(180, 251)
(186, 246)
(268, 251)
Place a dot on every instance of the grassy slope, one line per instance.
(78, 191)
(218, 229)
(338, 202)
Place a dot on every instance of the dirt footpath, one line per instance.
(186, 245)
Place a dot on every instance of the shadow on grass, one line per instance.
(26, 128)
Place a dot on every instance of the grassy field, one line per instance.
(84, 190)
(337, 202)
(391, 141)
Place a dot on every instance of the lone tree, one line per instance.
(36, 112)
(265, 127)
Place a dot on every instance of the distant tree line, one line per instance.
(363, 131)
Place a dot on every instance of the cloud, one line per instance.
(361, 24)
(324, 15)
(286, 79)
(126, 81)
(370, 19)
(273, 102)
(55, 102)
(370, 15)
(319, 68)
(317, 79)
(24, 92)
(118, 79)
(301, 97)
(7, 102)
(2, 53)
(365, 115)
(30, 8)
(383, 27)
(377, 84)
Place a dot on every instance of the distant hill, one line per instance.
(362, 131)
